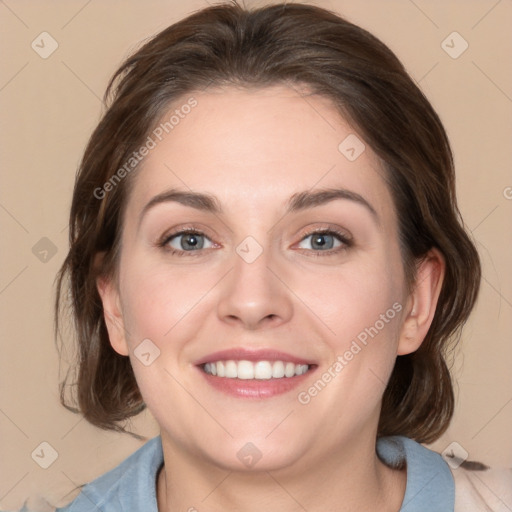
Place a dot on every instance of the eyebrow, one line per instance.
(298, 202)
(199, 201)
(304, 200)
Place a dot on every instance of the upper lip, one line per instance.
(243, 354)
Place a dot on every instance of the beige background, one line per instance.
(50, 107)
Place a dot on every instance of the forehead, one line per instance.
(257, 147)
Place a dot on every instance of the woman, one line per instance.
(266, 252)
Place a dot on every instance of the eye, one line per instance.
(324, 241)
(188, 241)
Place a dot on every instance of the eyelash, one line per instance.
(345, 240)
(342, 237)
(187, 231)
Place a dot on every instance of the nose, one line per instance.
(253, 296)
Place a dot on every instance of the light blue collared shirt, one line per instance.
(131, 486)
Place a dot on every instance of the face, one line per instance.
(254, 242)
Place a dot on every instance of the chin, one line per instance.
(255, 456)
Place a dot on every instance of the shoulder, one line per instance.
(448, 484)
(130, 486)
(482, 489)
(430, 485)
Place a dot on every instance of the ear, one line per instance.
(422, 302)
(112, 314)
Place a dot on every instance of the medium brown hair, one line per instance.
(296, 45)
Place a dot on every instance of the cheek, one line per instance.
(352, 298)
(362, 306)
(165, 306)
(158, 300)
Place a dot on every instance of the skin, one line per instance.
(254, 150)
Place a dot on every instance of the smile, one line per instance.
(258, 370)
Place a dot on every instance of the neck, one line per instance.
(350, 479)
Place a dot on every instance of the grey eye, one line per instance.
(320, 242)
(189, 241)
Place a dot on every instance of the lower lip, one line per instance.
(255, 388)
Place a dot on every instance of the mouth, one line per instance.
(254, 374)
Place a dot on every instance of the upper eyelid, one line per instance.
(343, 234)
(326, 232)
(345, 240)
(329, 230)
(199, 231)
(182, 230)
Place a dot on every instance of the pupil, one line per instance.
(190, 241)
(319, 241)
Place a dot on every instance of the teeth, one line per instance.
(278, 369)
(289, 369)
(245, 370)
(261, 370)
